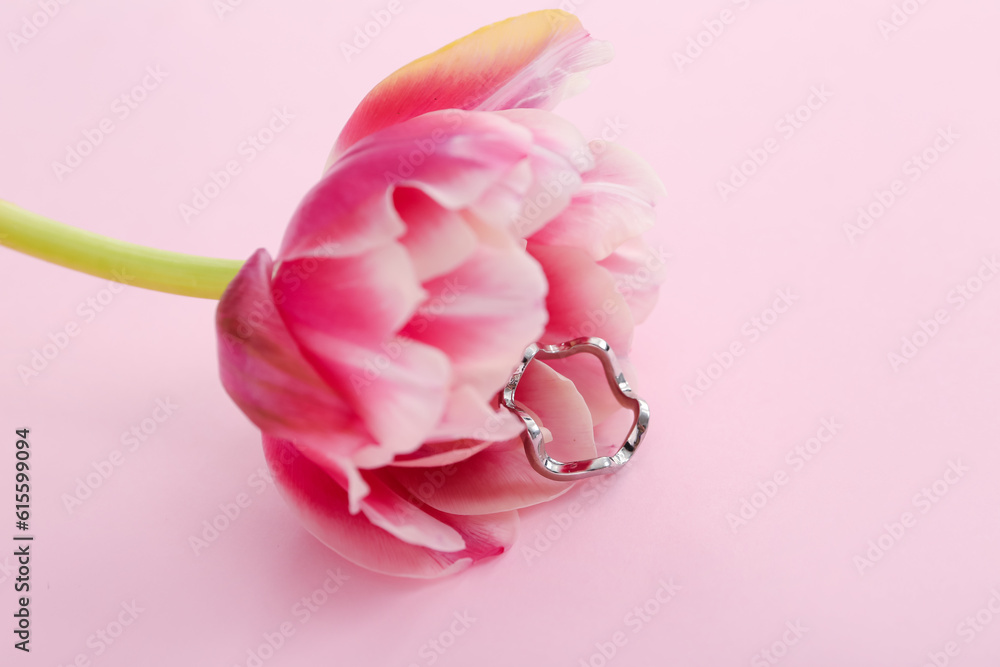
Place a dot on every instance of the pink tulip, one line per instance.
(458, 222)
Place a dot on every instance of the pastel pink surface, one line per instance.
(584, 562)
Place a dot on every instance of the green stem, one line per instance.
(172, 272)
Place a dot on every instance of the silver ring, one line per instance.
(534, 446)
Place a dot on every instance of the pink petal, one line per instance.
(357, 299)
(266, 375)
(559, 156)
(500, 206)
(400, 395)
(321, 504)
(611, 433)
(615, 203)
(587, 375)
(496, 479)
(550, 194)
(499, 478)
(470, 416)
(483, 315)
(453, 159)
(405, 521)
(344, 315)
(582, 299)
(556, 135)
(436, 454)
(468, 426)
(437, 240)
(638, 269)
(557, 404)
(345, 473)
(532, 60)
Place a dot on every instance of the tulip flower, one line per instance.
(458, 221)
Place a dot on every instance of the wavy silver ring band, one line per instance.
(534, 445)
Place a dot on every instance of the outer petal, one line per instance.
(559, 156)
(404, 520)
(344, 314)
(321, 504)
(266, 375)
(400, 397)
(542, 186)
(556, 135)
(526, 61)
(615, 203)
(454, 157)
(359, 299)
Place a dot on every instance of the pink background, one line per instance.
(738, 588)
